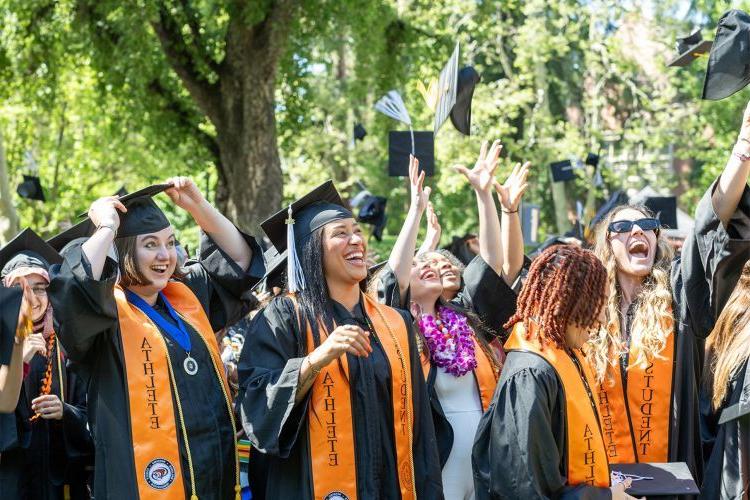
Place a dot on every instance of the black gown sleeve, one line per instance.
(427, 467)
(268, 375)
(10, 305)
(76, 434)
(519, 444)
(84, 308)
(712, 260)
(388, 290)
(221, 286)
(488, 295)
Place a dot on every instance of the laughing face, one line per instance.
(634, 251)
(424, 282)
(450, 275)
(156, 257)
(344, 251)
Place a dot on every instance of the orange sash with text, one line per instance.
(152, 416)
(330, 422)
(587, 458)
(638, 430)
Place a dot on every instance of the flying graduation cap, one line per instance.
(461, 113)
(400, 146)
(562, 171)
(728, 70)
(446, 97)
(664, 209)
(689, 48)
(392, 106)
(359, 132)
(31, 188)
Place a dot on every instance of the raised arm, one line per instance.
(186, 195)
(434, 231)
(104, 215)
(511, 237)
(402, 255)
(733, 179)
(481, 178)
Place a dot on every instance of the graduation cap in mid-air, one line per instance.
(562, 171)
(461, 112)
(689, 48)
(728, 70)
(664, 209)
(290, 227)
(31, 188)
(399, 149)
(27, 250)
(446, 90)
(359, 132)
(372, 211)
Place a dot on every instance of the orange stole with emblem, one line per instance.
(638, 430)
(587, 458)
(330, 422)
(153, 422)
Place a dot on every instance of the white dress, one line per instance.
(459, 398)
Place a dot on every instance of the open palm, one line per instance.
(511, 192)
(420, 195)
(482, 176)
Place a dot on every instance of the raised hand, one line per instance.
(184, 193)
(420, 195)
(434, 231)
(104, 212)
(32, 345)
(511, 192)
(482, 176)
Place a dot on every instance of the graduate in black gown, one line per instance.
(541, 438)
(334, 398)
(159, 405)
(45, 444)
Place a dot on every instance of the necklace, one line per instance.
(449, 340)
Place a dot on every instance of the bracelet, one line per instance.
(111, 227)
(510, 211)
(315, 371)
(743, 157)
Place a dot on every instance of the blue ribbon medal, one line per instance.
(177, 333)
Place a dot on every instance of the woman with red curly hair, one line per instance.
(541, 437)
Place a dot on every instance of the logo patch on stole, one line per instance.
(159, 473)
(336, 495)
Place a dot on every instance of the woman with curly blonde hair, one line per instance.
(648, 358)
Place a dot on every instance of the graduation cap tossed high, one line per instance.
(392, 106)
(446, 90)
(31, 188)
(399, 151)
(290, 227)
(461, 112)
(359, 132)
(689, 48)
(664, 209)
(728, 70)
(27, 250)
(372, 212)
(562, 171)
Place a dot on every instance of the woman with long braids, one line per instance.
(460, 367)
(648, 358)
(541, 438)
(45, 444)
(141, 330)
(334, 402)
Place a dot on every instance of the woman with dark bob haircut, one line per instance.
(540, 438)
(334, 398)
(141, 331)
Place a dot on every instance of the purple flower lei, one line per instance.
(449, 340)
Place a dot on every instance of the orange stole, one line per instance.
(638, 432)
(331, 427)
(587, 458)
(152, 417)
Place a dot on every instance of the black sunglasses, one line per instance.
(625, 226)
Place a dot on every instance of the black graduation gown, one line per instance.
(520, 448)
(703, 277)
(39, 458)
(278, 429)
(10, 305)
(90, 333)
(486, 294)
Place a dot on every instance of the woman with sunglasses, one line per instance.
(647, 359)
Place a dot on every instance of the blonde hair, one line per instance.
(728, 345)
(654, 304)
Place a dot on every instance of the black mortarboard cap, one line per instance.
(291, 226)
(728, 70)
(31, 188)
(689, 48)
(615, 200)
(27, 249)
(372, 212)
(359, 132)
(399, 149)
(664, 209)
(562, 171)
(592, 159)
(121, 192)
(144, 215)
(667, 479)
(461, 112)
(460, 249)
(447, 83)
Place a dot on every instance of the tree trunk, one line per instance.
(8, 215)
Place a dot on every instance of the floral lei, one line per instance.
(449, 339)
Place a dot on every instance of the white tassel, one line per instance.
(295, 276)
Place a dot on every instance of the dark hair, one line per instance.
(314, 301)
(130, 274)
(565, 286)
